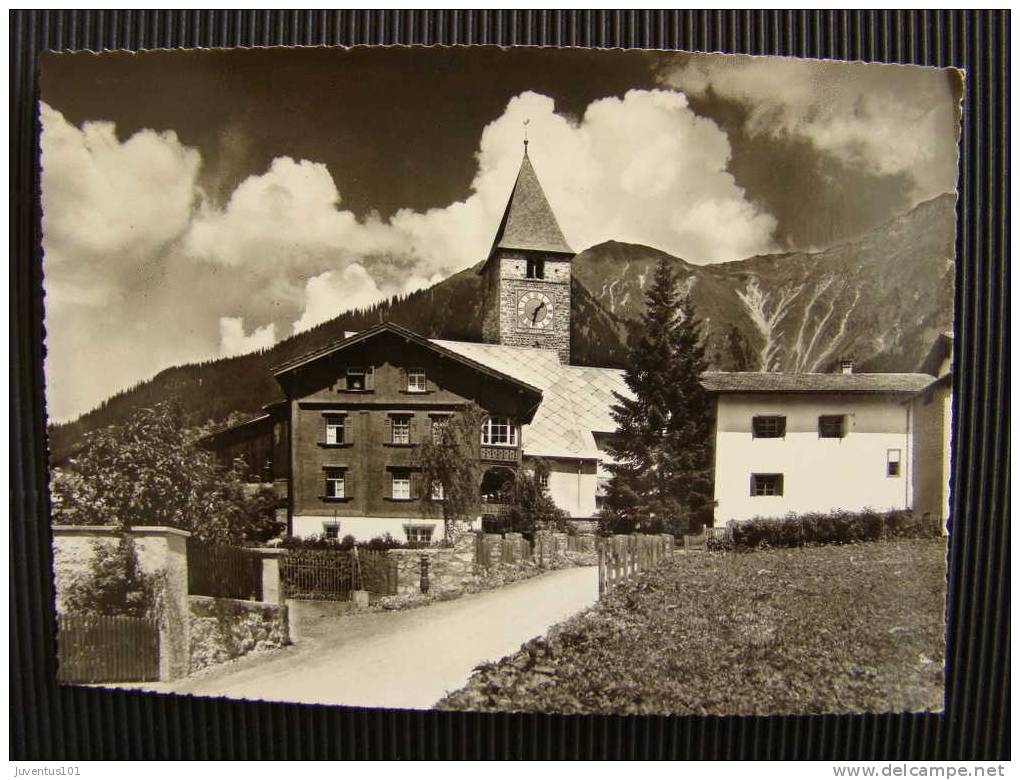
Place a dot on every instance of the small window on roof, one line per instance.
(356, 378)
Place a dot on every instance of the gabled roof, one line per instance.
(408, 335)
(528, 222)
(576, 400)
(754, 382)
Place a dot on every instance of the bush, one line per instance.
(814, 528)
(323, 542)
(114, 583)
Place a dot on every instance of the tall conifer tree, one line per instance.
(662, 480)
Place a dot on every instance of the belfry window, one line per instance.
(536, 268)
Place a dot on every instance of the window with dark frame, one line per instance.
(357, 379)
(334, 428)
(536, 268)
(892, 463)
(766, 484)
(418, 534)
(499, 432)
(416, 380)
(438, 494)
(771, 426)
(331, 530)
(831, 426)
(336, 483)
(400, 485)
(439, 423)
(400, 429)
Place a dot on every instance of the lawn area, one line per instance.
(839, 628)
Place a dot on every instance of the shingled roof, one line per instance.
(576, 400)
(751, 382)
(528, 222)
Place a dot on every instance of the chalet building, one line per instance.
(342, 443)
(819, 442)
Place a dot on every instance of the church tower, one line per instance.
(527, 273)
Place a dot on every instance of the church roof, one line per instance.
(576, 400)
(528, 222)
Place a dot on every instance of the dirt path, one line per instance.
(406, 659)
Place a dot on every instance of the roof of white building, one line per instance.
(576, 400)
(754, 382)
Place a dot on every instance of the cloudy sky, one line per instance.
(204, 204)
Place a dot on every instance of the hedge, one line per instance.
(812, 528)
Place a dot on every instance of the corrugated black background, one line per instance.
(48, 722)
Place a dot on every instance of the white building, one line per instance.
(819, 442)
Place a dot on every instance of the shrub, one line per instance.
(323, 542)
(114, 583)
(813, 528)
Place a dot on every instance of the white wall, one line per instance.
(365, 528)
(818, 474)
(572, 485)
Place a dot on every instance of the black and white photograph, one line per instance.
(484, 379)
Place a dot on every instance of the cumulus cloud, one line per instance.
(333, 292)
(887, 119)
(234, 341)
(135, 250)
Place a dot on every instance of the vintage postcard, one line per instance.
(481, 379)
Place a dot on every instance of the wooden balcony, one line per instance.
(494, 507)
(493, 454)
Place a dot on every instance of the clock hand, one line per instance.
(534, 317)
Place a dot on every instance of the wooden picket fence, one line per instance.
(223, 572)
(621, 557)
(107, 648)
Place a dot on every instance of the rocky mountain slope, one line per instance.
(880, 300)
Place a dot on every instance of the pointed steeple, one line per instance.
(528, 222)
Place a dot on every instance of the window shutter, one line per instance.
(411, 436)
(403, 380)
(348, 428)
(415, 484)
(388, 489)
(782, 426)
(348, 483)
(779, 482)
(752, 484)
(388, 430)
(369, 378)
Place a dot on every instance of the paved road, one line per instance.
(406, 659)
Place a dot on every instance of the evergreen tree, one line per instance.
(662, 478)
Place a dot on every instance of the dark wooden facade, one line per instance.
(317, 392)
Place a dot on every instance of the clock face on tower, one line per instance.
(534, 310)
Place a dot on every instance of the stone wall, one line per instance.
(448, 568)
(162, 553)
(224, 629)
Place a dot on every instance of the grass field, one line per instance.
(840, 628)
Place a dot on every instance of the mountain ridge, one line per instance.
(774, 312)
